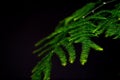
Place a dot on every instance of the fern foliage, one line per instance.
(78, 28)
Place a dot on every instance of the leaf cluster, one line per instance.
(78, 28)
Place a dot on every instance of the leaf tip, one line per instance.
(100, 49)
(71, 61)
(83, 62)
(118, 18)
(64, 64)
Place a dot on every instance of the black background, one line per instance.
(23, 23)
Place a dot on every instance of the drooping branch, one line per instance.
(78, 28)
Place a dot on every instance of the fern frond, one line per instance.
(46, 38)
(70, 49)
(44, 66)
(84, 53)
(77, 28)
(80, 13)
(47, 71)
(61, 54)
(100, 28)
(49, 45)
(94, 45)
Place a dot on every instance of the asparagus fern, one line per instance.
(78, 28)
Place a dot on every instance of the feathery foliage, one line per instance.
(78, 28)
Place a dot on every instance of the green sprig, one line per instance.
(77, 28)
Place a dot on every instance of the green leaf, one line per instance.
(95, 46)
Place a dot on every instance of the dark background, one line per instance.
(23, 23)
